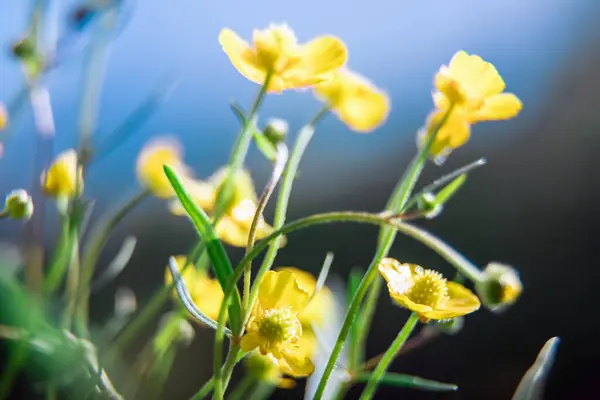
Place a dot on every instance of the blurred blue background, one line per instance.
(533, 206)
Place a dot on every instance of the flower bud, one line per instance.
(276, 130)
(24, 48)
(18, 205)
(63, 179)
(500, 286)
(429, 205)
(184, 333)
(451, 326)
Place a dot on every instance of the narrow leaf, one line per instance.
(186, 298)
(534, 380)
(409, 381)
(117, 265)
(216, 251)
(450, 189)
(324, 273)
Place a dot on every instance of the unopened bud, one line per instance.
(276, 130)
(428, 204)
(18, 205)
(3, 117)
(184, 333)
(24, 48)
(500, 286)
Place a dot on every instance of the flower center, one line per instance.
(429, 288)
(278, 325)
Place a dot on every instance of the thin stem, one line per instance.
(278, 166)
(396, 203)
(364, 322)
(285, 190)
(240, 149)
(205, 390)
(387, 358)
(243, 389)
(94, 248)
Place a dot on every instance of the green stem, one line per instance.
(278, 166)
(389, 356)
(285, 190)
(364, 323)
(238, 154)
(59, 262)
(396, 203)
(205, 390)
(243, 389)
(93, 250)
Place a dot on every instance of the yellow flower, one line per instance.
(276, 49)
(474, 85)
(357, 102)
(205, 291)
(499, 287)
(234, 226)
(426, 292)
(153, 157)
(264, 368)
(274, 327)
(474, 90)
(3, 117)
(61, 179)
(320, 306)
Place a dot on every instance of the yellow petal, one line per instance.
(286, 383)
(461, 300)
(3, 117)
(295, 364)
(281, 289)
(150, 166)
(243, 185)
(355, 100)
(478, 77)
(405, 302)
(250, 341)
(498, 107)
(242, 56)
(454, 133)
(231, 232)
(323, 55)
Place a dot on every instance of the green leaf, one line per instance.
(410, 381)
(450, 189)
(534, 380)
(263, 144)
(216, 251)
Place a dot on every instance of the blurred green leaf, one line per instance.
(450, 189)
(534, 380)
(216, 251)
(410, 381)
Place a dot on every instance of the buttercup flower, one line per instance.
(3, 117)
(274, 327)
(205, 291)
(426, 292)
(320, 305)
(276, 49)
(150, 166)
(500, 287)
(355, 100)
(475, 90)
(234, 226)
(62, 180)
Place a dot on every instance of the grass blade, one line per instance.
(216, 251)
(534, 380)
(410, 381)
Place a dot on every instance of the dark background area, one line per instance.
(534, 206)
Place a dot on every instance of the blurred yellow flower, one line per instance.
(276, 50)
(151, 160)
(320, 306)
(357, 102)
(264, 368)
(499, 286)
(3, 117)
(205, 291)
(274, 327)
(61, 180)
(426, 292)
(234, 226)
(474, 90)
(474, 85)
